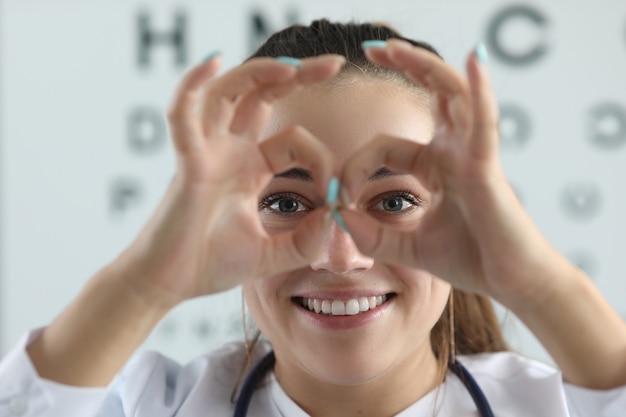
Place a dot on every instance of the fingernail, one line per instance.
(339, 220)
(294, 62)
(211, 56)
(481, 53)
(373, 44)
(332, 191)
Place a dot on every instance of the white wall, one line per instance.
(70, 82)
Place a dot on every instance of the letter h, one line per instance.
(148, 38)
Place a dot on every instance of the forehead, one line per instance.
(347, 116)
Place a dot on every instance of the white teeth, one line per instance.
(339, 308)
(343, 308)
(352, 307)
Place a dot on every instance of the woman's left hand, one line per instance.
(475, 233)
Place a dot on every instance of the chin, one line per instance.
(348, 369)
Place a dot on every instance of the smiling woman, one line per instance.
(399, 328)
(348, 179)
(402, 326)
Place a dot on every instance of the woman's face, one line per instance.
(341, 348)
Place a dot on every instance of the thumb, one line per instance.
(297, 248)
(379, 241)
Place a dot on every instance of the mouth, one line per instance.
(349, 307)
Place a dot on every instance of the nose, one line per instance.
(340, 254)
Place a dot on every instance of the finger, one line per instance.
(430, 71)
(320, 68)
(486, 115)
(220, 95)
(184, 125)
(253, 110)
(379, 55)
(399, 155)
(298, 248)
(380, 241)
(298, 148)
(422, 64)
(439, 109)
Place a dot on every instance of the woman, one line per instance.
(351, 285)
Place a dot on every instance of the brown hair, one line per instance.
(324, 37)
(475, 325)
(474, 329)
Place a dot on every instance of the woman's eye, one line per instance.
(397, 203)
(283, 204)
(287, 205)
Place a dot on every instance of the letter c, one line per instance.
(494, 35)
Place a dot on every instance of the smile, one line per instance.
(349, 307)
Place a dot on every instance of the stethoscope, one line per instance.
(267, 363)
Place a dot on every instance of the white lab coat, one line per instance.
(152, 385)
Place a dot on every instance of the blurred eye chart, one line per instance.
(85, 154)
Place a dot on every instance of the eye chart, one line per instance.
(85, 153)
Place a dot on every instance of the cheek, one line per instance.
(426, 295)
(262, 296)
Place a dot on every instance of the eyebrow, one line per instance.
(299, 174)
(384, 172)
(305, 175)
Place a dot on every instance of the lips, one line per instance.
(347, 307)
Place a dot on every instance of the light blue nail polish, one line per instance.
(482, 54)
(332, 191)
(373, 44)
(339, 220)
(211, 56)
(294, 62)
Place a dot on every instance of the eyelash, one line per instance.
(266, 203)
(408, 196)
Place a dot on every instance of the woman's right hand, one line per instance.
(206, 236)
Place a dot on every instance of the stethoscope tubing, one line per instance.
(267, 363)
(484, 409)
(252, 381)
